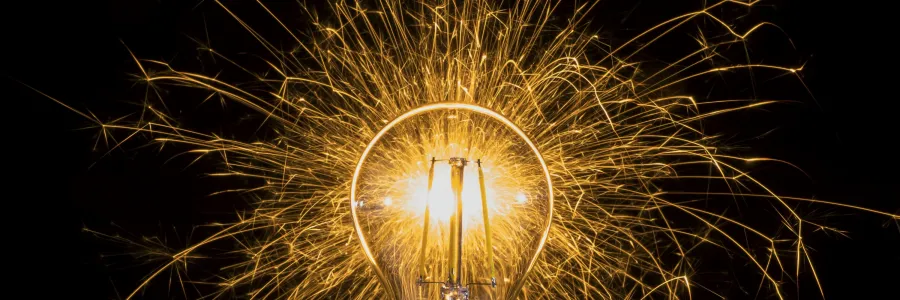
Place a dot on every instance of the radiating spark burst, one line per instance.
(612, 137)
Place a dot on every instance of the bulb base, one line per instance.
(450, 291)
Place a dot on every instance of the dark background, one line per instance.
(73, 51)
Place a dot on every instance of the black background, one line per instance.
(73, 50)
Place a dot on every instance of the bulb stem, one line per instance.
(487, 222)
(458, 165)
(427, 221)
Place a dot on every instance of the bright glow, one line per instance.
(442, 202)
(521, 197)
(388, 201)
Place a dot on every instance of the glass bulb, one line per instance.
(458, 203)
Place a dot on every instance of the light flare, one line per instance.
(498, 196)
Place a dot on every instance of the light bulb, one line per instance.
(458, 203)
